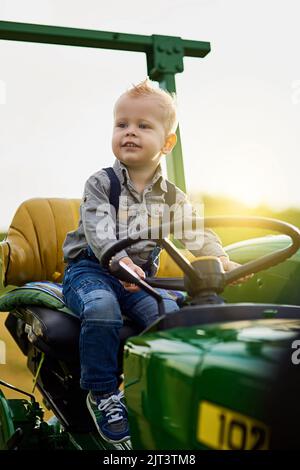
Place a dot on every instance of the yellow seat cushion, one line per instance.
(168, 267)
(32, 250)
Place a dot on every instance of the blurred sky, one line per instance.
(239, 107)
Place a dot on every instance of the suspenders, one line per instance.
(115, 191)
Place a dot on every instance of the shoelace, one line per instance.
(113, 407)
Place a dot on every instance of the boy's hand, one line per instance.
(229, 266)
(129, 286)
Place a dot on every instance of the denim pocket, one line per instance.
(84, 284)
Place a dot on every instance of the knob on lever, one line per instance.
(123, 272)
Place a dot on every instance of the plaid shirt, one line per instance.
(134, 209)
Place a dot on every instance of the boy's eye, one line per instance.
(121, 124)
(144, 126)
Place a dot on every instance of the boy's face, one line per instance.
(139, 121)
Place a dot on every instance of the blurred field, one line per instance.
(15, 371)
(224, 206)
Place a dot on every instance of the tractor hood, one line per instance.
(179, 378)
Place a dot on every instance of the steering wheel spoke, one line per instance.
(180, 260)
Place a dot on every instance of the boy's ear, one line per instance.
(170, 143)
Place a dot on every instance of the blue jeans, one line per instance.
(99, 300)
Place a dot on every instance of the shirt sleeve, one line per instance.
(98, 216)
(189, 225)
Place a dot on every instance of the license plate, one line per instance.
(225, 429)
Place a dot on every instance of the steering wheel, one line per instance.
(212, 277)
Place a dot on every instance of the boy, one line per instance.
(144, 130)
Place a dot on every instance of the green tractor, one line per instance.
(220, 373)
(214, 375)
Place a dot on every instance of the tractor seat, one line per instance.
(43, 316)
(32, 254)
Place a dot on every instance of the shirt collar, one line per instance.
(121, 171)
(123, 175)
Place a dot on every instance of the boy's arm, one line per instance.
(98, 216)
(200, 241)
(204, 242)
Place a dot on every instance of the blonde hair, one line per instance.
(166, 99)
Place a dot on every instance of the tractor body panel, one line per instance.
(205, 386)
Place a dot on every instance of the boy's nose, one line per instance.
(130, 131)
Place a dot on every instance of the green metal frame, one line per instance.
(164, 59)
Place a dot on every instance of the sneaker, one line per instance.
(110, 416)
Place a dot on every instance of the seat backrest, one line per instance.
(32, 249)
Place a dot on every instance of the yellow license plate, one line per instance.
(224, 429)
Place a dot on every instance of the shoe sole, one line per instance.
(126, 438)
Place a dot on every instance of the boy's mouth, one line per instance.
(130, 145)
